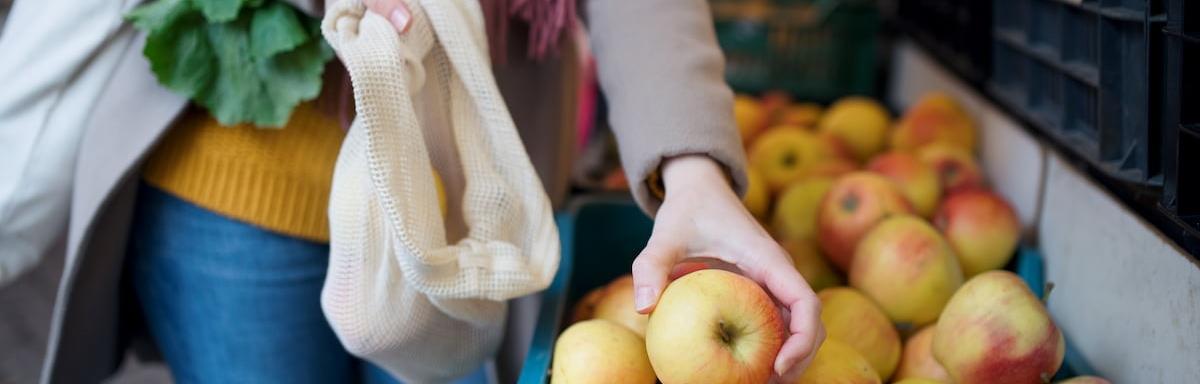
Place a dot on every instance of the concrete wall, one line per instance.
(1124, 294)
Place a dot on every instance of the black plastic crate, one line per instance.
(957, 31)
(1085, 73)
(1181, 117)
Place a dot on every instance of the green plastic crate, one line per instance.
(816, 50)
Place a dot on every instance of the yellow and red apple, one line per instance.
(935, 118)
(714, 326)
(836, 362)
(811, 265)
(600, 351)
(585, 309)
(860, 122)
(757, 198)
(783, 154)
(750, 117)
(617, 306)
(981, 227)
(917, 360)
(956, 168)
(994, 330)
(917, 180)
(795, 215)
(852, 318)
(800, 114)
(853, 205)
(906, 266)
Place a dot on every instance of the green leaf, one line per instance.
(218, 11)
(180, 55)
(254, 68)
(274, 29)
(158, 15)
(295, 76)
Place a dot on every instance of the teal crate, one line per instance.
(602, 235)
(816, 50)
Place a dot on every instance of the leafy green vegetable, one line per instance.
(218, 10)
(253, 67)
(275, 29)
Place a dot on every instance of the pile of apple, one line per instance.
(899, 211)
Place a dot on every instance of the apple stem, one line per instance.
(726, 332)
(1046, 294)
(850, 202)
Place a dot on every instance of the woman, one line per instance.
(161, 203)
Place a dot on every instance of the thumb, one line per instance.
(650, 272)
(396, 11)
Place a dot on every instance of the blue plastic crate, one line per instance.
(602, 235)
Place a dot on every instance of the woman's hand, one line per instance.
(395, 11)
(702, 217)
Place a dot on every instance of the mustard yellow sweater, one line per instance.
(277, 179)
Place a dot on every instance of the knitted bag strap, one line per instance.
(511, 247)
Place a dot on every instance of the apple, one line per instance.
(600, 351)
(757, 198)
(774, 102)
(615, 180)
(935, 118)
(917, 362)
(827, 168)
(906, 266)
(859, 122)
(1085, 380)
(853, 319)
(586, 307)
(836, 362)
(795, 215)
(981, 227)
(811, 265)
(915, 179)
(617, 306)
(782, 154)
(800, 115)
(749, 116)
(441, 192)
(714, 326)
(917, 380)
(956, 168)
(994, 330)
(854, 204)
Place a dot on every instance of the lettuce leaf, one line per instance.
(252, 68)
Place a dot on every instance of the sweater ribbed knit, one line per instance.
(277, 179)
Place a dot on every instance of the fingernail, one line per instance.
(643, 298)
(786, 367)
(399, 19)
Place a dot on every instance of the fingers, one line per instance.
(650, 272)
(772, 268)
(396, 11)
(807, 334)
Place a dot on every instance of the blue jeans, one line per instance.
(227, 302)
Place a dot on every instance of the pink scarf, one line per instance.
(548, 21)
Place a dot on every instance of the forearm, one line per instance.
(662, 73)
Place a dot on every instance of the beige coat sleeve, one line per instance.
(663, 76)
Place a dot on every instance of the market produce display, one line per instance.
(894, 227)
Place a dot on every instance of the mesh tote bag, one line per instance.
(397, 292)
